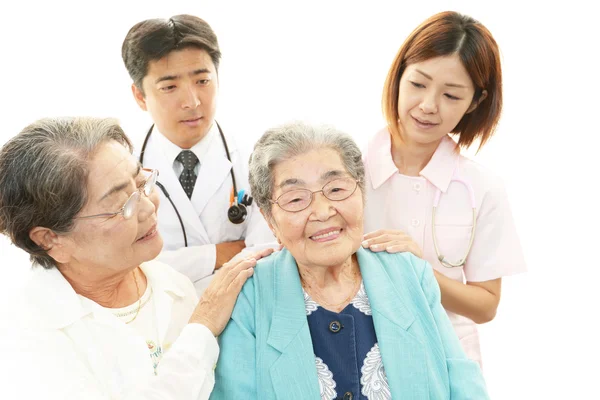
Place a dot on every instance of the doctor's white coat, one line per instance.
(205, 214)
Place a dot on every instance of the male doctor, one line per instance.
(174, 67)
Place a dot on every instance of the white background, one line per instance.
(326, 61)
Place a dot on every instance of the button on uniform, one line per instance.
(348, 396)
(417, 186)
(414, 222)
(335, 326)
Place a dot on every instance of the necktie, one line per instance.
(188, 176)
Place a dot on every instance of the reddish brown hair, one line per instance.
(445, 34)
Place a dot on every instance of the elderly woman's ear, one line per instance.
(52, 243)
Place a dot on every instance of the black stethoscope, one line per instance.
(237, 211)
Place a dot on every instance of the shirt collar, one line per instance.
(443, 164)
(200, 149)
(439, 170)
(51, 302)
(379, 156)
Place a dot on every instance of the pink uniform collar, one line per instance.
(438, 171)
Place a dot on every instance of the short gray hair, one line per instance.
(292, 139)
(43, 177)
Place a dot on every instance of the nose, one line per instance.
(190, 98)
(429, 103)
(148, 205)
(321, 207)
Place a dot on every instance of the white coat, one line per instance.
(65, 346)
(205, 214)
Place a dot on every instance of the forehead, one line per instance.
(449, 69)
(181, 62)
(309, 167)
(110, 164)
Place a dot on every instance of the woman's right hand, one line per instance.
(216, 304)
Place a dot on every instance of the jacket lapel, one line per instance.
(294, 372)
(213, 172)
(404, 357)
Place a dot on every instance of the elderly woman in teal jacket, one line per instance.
(325, 318)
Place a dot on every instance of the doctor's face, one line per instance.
(328, 232)
(180, 93)
(433, 97)
(115, 243)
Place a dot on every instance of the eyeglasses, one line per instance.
(299, 199)
(130, 206)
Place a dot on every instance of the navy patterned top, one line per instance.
(349, 364)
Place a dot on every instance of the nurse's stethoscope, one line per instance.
(436, 202)
(238, 202)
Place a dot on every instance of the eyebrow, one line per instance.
(456, 85)
(327, 175)
(174, 77)
(123, 185)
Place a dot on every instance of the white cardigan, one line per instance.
(63, 346)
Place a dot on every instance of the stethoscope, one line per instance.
(436, 202)
(238, 202)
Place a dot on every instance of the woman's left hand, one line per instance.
(392, 241)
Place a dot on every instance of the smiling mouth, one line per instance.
(326, 235)
(150, 232)
(191, 119)
(422, 122)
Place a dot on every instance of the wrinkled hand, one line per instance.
(216, 304)
(391, 241)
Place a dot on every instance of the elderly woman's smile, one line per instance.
(326, 232)
(326, 235)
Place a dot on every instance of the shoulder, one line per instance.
(264, 273)
(489, 187)
(398, 266)
(376, 144)
(164, 277)
(479, 174)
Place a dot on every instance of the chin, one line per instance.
(154, 251)
(334, 258)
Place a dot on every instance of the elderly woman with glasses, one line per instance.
(325, 318)
(100, 319)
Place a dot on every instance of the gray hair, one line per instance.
(43, 177)
(292, 139)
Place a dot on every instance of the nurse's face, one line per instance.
(328, 232)
(180, 93)
(433, 97)
(114, 244)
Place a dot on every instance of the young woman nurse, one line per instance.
(423, 196)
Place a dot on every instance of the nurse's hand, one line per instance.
(392, 241)
(216, 304)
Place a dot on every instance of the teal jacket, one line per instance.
(267, 352)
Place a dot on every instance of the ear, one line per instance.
(474, 104)
(55, 245)
(138, 95)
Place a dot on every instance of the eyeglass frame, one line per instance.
(136, 193)
(312, 194)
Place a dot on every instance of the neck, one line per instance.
(186, 143)
(111, 290)
(409, 157)
(332, 287)
(324, 276)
